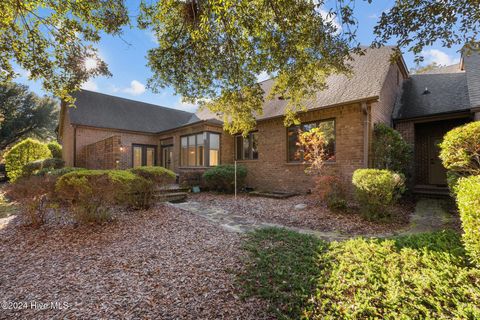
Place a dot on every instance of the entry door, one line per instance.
(436, 172)
(167, 157)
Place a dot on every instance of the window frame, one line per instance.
(250, 146)
(206, 148)
(144, 153)
(307, 123)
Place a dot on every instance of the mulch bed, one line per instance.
(315, 216)
(156, 264)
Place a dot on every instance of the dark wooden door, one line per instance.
(437, 174)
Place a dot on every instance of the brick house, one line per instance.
(110, 132)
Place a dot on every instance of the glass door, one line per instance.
(143, 155)
(167, 157)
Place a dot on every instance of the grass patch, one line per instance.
(282, 268)
(425, 276)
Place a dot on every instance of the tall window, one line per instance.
(199, 150)
(246, 148)
(295, 152)
(143, 155)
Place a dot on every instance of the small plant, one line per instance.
(191, 179)
(22, 153)
(389, 150)
(36, 196)
(55, 149)
(468, 201)
(222, 178)
(331, 190)
(45, 164)
(460, 152)
(376, 190)
(312, 143)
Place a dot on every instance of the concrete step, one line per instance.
(174, 197)
(431, 191)
(172, 190)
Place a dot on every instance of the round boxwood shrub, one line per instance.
(389, 150)
(22, 153)
(460, 152)
(55, 149)
(468, 201)
(222, 178)
(158, 175)
(376, 190)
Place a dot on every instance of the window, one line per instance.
(327, 127)
(246, 148)
(198, 150)
(143, 155)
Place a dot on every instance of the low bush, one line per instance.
(332, 191)
(222, 178)
(389, 150)
(44, 164)
(56, 172)
(22, 153)
(460, 149)
(424, 276)
(36, 196)
(55, 149)
(468, 201)
(192, 179)
(376, 190)
(90, 193)
(158, 175)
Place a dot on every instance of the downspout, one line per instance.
(366, 133)
(74, 146)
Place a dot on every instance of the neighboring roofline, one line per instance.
(367, 99)
(208, 121)
(448, 114)
(137, 101)
(76, 125)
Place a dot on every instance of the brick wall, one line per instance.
(272, 171)
(104, 154)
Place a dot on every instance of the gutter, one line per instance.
(366, 133)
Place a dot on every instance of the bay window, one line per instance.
(200, 150)
(295, 153)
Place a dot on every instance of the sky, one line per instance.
(126, 58)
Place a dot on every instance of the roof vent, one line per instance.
(426, 91)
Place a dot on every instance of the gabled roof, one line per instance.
(471, 64)
(104, 111)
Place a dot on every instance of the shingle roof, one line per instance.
(104, 111)
(472, 69)
(447, 92)
(368, 75)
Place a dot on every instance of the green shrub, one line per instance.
(389, 150)
(460, 149)
(468, 201)
(158, 175)
(376, 190)
(22, 153)
(43, 164)
(55, 149)
(222, 178)
(90, 193)
(192, 179)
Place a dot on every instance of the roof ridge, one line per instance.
(136, 101)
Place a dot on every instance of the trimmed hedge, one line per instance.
(158, 175)
(222, 178)
(468, 201)
(22, 153)
(376, 190)
(45, 164)
(55, 149)
(56, 172)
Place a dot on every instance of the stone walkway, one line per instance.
(429, 215)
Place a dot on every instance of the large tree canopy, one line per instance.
(212, 51)
(52, 40)
(24, 114)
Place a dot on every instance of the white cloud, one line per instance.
(373, 16)
(136, 88)
(439, 57)
(152, 36)
(330, 17)
(263, 76)
(90, 63)
(185, 106)
(90, 85)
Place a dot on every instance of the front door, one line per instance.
(437, 174)
(167, 157)
(143, 155)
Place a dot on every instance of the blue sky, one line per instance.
(126, 58)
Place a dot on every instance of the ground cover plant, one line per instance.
(424, 276)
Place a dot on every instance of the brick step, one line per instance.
(173, 197)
